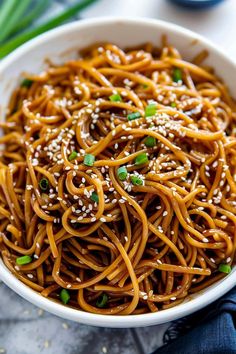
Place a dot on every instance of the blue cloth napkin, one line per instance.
(211, 330)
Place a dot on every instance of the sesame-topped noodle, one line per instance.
(118, 180)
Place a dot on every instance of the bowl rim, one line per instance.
(117, 321)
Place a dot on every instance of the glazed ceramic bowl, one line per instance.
(61, 44)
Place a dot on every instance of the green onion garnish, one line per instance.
(177, 75)
(150, 141)
(145, 86)
(89, 159)
(225, 268)
(32, 14)
(94, 197)
(122, 173)
(73, 155)
(53, 22)
(133, 116)
(43, 184)
(141, 159)
(173, 104)
(64, 296)
(115, 98)
(102, 300)
(23, 260)
(14, 15)
(27, 83)
(150, 110)
(136, 180)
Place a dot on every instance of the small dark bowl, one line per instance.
(197, 4)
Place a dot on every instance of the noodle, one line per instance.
(118, 180)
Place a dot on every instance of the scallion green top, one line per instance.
(27, 83)
(150, 110)
(73, 155)
(115, 98)
(23, 260)
(64, 296)
(122, 173)
(95, 197)
(150, 141)
(177, 75)
(102, 300)
(89, 159)
(137, 181)
(141, 159)
(44, 184)
(225, 268)
(133, 115)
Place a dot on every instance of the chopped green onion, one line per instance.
(145, 86)
(89, 159)
(177, 75)
(23, 260)
(115, 98)
(43, 184)
(150, 110)
(136, 180)
(225, 268)
(94, 197)
(173, 104)
(141, 159)
(27, 83)
(133, 116)
(6, 9)
(150, 141)
(73, 155)
(64, 296)
(15, 42)
(102, 300)
(122, 173)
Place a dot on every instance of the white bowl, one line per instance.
(61, 44)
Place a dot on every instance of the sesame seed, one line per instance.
(46, 344)
(65, 325)
(40, 312)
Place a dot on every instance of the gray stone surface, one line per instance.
(26, 329)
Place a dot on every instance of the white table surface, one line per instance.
(216, 23)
